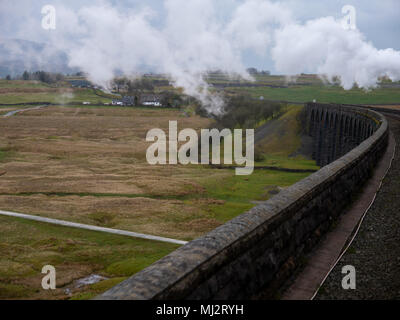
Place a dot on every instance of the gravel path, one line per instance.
(375, 253)
(11, 113)
(90, 227)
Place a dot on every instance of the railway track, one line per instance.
(326, 262)
(375, 251)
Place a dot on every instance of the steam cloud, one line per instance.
(192, 38)
(191, 42)
(324, 46)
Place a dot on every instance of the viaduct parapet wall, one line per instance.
(254, 254)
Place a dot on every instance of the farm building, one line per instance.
(117, 103)
(151, 100)
(145, 100)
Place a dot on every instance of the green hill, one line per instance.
(280, 142)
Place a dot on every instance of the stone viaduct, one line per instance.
(255, 254)
(336, 130)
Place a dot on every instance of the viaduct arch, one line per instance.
(336, 130)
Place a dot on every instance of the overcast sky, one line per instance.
(378, 20)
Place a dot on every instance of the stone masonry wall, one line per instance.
(259, 250)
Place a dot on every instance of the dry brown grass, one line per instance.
(65, 159)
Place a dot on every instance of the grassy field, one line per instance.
(324, 94)
(87, 164)
(276, 80)
(19, 92)
(306, 88)
(234, 195)
(26, 246)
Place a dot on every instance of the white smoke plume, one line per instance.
(190, 42)
(325, 47)
(190, 37)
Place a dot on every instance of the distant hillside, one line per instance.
(19, 55)
(284, 136)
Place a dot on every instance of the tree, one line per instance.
(8, 77)
(140, 85)
(246, 112)
(59, 77)
(120, 83)
(171, 99)
(252, 70)
(26, 75)
(137, 87)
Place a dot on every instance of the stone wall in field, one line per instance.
(255, 253)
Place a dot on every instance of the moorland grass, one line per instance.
(26, 246)
(241, 193)
(196, 198)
